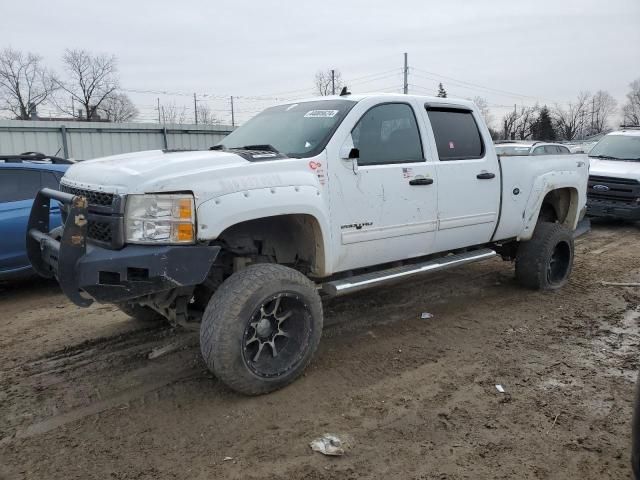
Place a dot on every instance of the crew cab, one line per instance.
(21, 177)
(319, 197)
(614, 181)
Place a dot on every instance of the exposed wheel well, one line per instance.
(560, 206)
(293, 240)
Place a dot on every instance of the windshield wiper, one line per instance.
(263, 148)
(605, 157)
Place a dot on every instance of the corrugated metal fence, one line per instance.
(85, 140)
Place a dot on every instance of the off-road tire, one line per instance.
(534, 267)
(141, 313)
(228, 318)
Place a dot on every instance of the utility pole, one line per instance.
(333, 82)
(159, 110)
(406, 74)
(233, 118)
(195, 108)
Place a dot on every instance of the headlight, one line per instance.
(163, 218)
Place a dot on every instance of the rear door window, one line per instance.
(18, 184)
(456, 133)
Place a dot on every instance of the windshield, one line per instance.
(297, 130)
(617, 147)
(512, 151)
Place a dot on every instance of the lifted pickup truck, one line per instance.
(320, 197)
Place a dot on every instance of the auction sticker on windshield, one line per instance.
(321, 114)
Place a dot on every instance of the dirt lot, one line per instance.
(416, 398)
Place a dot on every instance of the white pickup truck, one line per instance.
(325, 196)
(614, 180)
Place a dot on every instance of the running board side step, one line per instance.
(343, 286)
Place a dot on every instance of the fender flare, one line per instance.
(220, 213)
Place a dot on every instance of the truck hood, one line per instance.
(614, 168)
(207, 173)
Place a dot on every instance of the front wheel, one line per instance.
(261, 328)
(545, 261)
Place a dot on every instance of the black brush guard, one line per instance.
(107, 275)
(50, 257)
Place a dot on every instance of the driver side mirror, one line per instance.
(354, 154)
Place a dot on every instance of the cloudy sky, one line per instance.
(507, 51)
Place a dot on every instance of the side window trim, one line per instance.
(455, 108)
(392, 162)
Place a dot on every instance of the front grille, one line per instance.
(93, 197)
(620, 181)
(105, 220)
(621, 191)
(100, 231)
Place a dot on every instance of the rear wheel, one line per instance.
(261, 328)
(545, 261)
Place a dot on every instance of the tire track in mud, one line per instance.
(84, 379)
(89, 368)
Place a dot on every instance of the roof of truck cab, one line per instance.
(384, 95)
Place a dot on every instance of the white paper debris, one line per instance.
(426, 315)
(226, 459)
(328, 444)
(500, 388)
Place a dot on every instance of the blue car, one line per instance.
(21, 176)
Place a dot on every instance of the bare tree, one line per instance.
(324, 83)
(24, 83)
(631, 109)
(172, 113)
(118, 107)
(571, 121)
(206, 115)
(603, 105)
(483, 106)
(525, 119)
(92, 80)
(518, 124)
(509, 121)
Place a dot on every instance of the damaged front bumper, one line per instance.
(110, 276)
(611, 209)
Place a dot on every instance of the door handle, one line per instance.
(486, 176)
(421, 181)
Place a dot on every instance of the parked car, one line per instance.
(21, 176)
(524, 148)
(585, 146)
(325, 196)
(614, 177)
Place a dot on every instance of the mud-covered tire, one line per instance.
(141, 313)
(545, 261)
(250, 312)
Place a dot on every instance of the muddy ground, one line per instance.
(415, 398)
